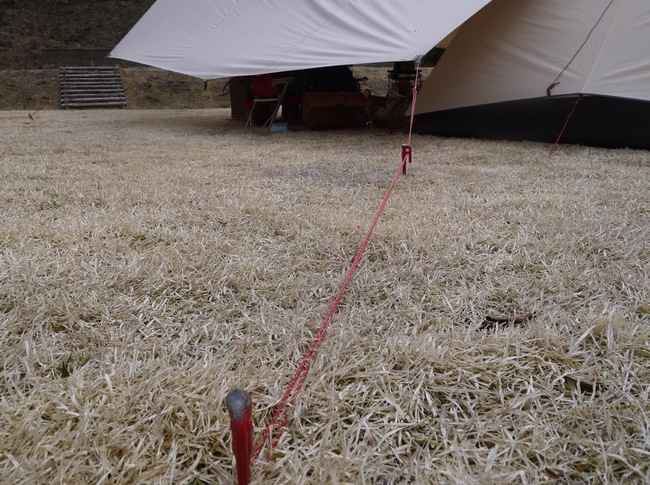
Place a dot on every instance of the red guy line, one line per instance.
(281, 414)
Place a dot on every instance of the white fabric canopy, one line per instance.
(515, 50)
(225, 38)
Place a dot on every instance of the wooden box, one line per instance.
(241, 97)
(322, 111)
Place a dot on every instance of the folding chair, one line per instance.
(265, 92)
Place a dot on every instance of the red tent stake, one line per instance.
(240, 410)
(407, 154)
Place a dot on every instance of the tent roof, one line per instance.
(210, 39)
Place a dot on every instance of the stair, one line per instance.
(91, 87)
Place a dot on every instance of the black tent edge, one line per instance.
(601, 121)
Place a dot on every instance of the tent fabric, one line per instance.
(516, 50)
(227, 38)
(545, 70)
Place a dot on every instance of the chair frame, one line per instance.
(268, 99)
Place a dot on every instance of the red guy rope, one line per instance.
(566, 123)
(30, 116)
(415, 98)
(281, 414)
(556, 81)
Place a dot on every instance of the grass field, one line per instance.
(150, 261)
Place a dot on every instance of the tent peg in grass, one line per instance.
(240, 410)
(407, 153)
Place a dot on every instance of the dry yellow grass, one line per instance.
(152, 260)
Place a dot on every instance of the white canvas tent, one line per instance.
(516, 69)
(227, 38)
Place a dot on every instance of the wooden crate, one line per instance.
(321, 111)
(241, 97)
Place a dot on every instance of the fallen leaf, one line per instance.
(584, 384)
(492, 322)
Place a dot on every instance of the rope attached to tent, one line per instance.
(566, 122)
(281, 414)
(556, 81)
